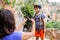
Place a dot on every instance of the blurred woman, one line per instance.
(7, 27)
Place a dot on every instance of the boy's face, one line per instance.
(37, 9)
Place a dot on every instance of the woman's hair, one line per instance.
(7, 23)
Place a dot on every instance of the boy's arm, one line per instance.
(44, 23)
(27, 35)
(44, 20)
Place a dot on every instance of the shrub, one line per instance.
(53, 24)
(28, 11)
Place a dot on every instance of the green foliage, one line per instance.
(28, 11)
(13, 2)
(58, 11)
(7, 1)
(20, 3)
(53, 24)
(29, 2)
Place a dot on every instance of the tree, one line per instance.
(28, 11)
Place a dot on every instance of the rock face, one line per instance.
(52, 34)
(19, 19)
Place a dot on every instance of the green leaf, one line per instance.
(7, 1)
(13, 2)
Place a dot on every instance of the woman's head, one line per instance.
(7, 22)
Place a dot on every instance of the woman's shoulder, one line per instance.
(14, 36)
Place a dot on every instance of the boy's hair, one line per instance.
(7, 23)
(39, 6)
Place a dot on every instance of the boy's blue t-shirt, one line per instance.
(14, 36)
(37, 20)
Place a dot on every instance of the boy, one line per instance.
(39, 20)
